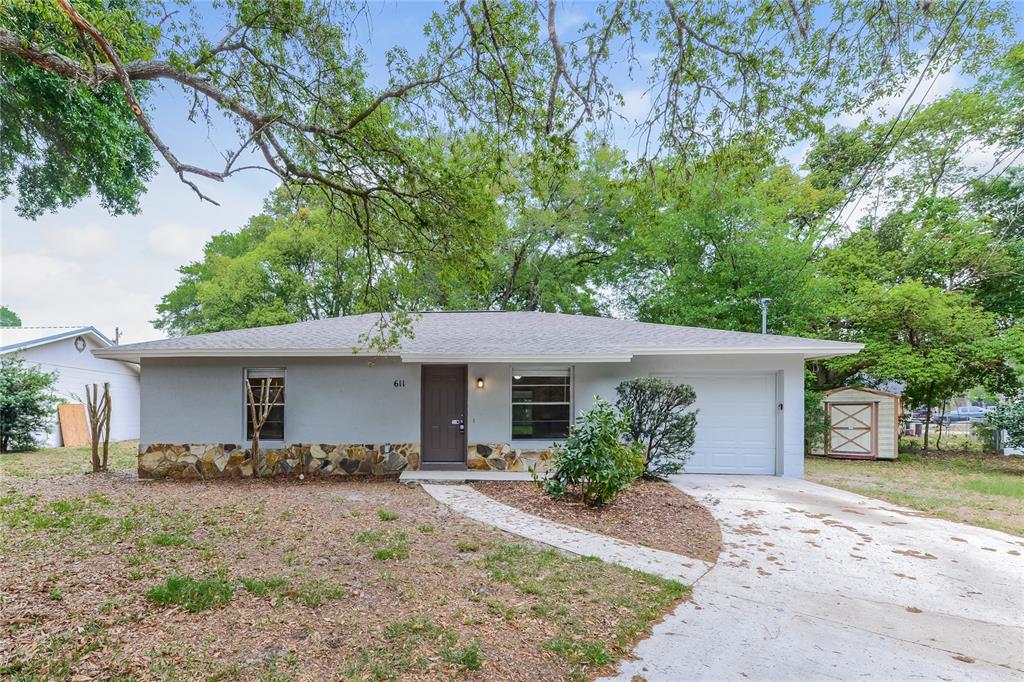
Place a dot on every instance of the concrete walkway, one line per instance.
(468, 502)
(815, 583)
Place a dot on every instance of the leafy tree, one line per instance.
(9, 318)
(62, 139)
(720, 233)
(1009, 416)
(937, 343)
(27, 403)
(655, 411)
(287, 76)
(594, 464)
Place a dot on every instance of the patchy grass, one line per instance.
(168, 540)
(191, 594)
(314, 593)
(982, 490)
(55, 462)
(104, 577)
(406, 647)
(387, 545)
(261, 587)
(555, 584)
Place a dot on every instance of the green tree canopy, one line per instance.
(9, 318)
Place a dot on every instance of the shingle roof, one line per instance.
(20, 338)
(484, 335)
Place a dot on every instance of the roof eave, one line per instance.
(808, 352)
(32, 343)
(520, 357)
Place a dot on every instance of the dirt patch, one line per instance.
(353, 579)
(649, 513)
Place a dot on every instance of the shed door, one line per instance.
(735, 425)
(852, 431)
(443, 416)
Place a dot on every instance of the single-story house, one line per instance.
(68, 352)
(477, 390)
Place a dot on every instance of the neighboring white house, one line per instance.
(478, 390)
(68, 352)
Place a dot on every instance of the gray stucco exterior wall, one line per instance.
(353, 400)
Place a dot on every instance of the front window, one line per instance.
(541, 406)
(273, 427)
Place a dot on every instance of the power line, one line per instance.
(870, 167)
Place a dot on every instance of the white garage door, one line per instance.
(736, 424)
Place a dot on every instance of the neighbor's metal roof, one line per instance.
(483, 336)
(22, 338)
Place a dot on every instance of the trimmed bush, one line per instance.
(657, 420)
(594, 464)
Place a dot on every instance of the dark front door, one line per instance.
(443, 415)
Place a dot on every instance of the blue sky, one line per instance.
(83, 266)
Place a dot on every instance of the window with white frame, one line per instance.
(273, 428)
(541, 403)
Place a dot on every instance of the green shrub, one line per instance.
(1009, 416)
(28, 403)
(191, 594)
(816, 421)
(594, 465)
(655, 412)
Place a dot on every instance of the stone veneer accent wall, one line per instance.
(503, 457)
(220, 460)
(230, 461)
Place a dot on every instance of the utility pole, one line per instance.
(764, 314)
(117, 336)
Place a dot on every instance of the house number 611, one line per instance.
(399, 383)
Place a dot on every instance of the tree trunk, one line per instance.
(927, 417)
(94, 434)
(106, 424)
(259, 411)
(98, 408)
(942, 424)
(927, 426)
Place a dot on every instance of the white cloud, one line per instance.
(635, 104)
(49, 290)
(90, 241)
(178, 241)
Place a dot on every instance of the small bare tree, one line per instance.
(98, 406)
(260, 404)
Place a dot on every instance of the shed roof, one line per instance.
(483, 336)
(864, 389)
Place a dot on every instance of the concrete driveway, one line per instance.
(816, 583)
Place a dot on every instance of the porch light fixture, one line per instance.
(479, 382)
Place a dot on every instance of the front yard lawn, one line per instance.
(983, 490)
(104, 576)
(51, 462)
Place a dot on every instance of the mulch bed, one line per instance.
(649, 513)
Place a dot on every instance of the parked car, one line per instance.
(973, 413)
